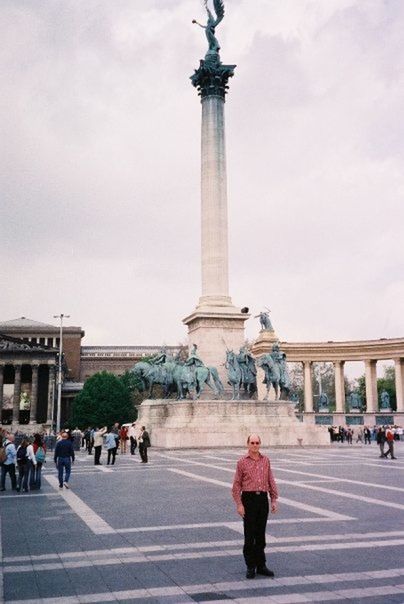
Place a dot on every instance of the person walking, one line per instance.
(98, 442)
(381, 439)
(253, 481)
(368, 435)
(110, 441)
(63, 458)
(144, 444)
(390, 443)
(8, 465)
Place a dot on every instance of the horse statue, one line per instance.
(149, 375)
(272, 374)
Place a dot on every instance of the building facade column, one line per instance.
(17, 394)
(399, 377)
(34, 395)
(339, 386)
(51, 394)
(371, 386)
(308, 387)
(1, 388)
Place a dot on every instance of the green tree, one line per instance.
(105, 399)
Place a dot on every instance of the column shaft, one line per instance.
(339, 387)
(308, 388)
(1, 388)
(51, 394)
(371, 386)
(34, 395)
(398, 366)
(214, 237)
(17, 394)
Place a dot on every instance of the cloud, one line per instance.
(100, 143)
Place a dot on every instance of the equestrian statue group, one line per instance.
(188, 378)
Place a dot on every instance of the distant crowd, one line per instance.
(382, 435)
(22, 456)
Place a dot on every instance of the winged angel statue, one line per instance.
(212, 24)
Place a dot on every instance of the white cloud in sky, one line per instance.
(100, 139)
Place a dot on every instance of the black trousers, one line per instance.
(111, 453)
(143, 452)
(133, 445)
(8, 469)
(255, 521)
(97, 455)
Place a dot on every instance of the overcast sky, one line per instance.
(100, 165)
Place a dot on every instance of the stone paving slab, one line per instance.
(168, 532)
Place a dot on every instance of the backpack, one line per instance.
(40, 455)
(3, 454)
(22, 455)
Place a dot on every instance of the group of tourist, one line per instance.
(382, 435)
(26, 458)
(361, 434)
(23, 462)
(117, 438)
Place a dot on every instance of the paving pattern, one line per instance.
(167, 532)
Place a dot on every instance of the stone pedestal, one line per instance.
(213, 329)
(214, 424)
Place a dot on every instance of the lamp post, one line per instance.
(59, 402)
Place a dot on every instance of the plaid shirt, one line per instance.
(254, 475)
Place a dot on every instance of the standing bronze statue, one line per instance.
(212, 23)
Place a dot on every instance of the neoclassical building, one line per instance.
(29, 362)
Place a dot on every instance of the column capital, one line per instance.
(211, 77)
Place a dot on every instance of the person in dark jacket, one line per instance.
(64, 457)
(144, 444)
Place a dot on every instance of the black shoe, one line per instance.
(266, 572)
(250, 574)
(2, 489)
(394, 458)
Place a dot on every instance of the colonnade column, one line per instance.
(308, 388)
(51, 394)
(1, 388)
(339, 386)
(398, 366)
(371, 386)
(34, 395)
(17, 394)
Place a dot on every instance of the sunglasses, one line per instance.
(254, 443)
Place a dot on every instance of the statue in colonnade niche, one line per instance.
(323, 402)
(384, 400)
(354, 400)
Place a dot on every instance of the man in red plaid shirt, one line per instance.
(252, 484)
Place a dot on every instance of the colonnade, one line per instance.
(34, 390)
(370, 382)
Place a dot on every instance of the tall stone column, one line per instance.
(34, 395)
(339, 386)
(399, 372)
(17, 394)
(51, 394)
(1, 388)
(371, 386)
(215, 324)
(308, 388)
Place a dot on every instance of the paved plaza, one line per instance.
(168, 531)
